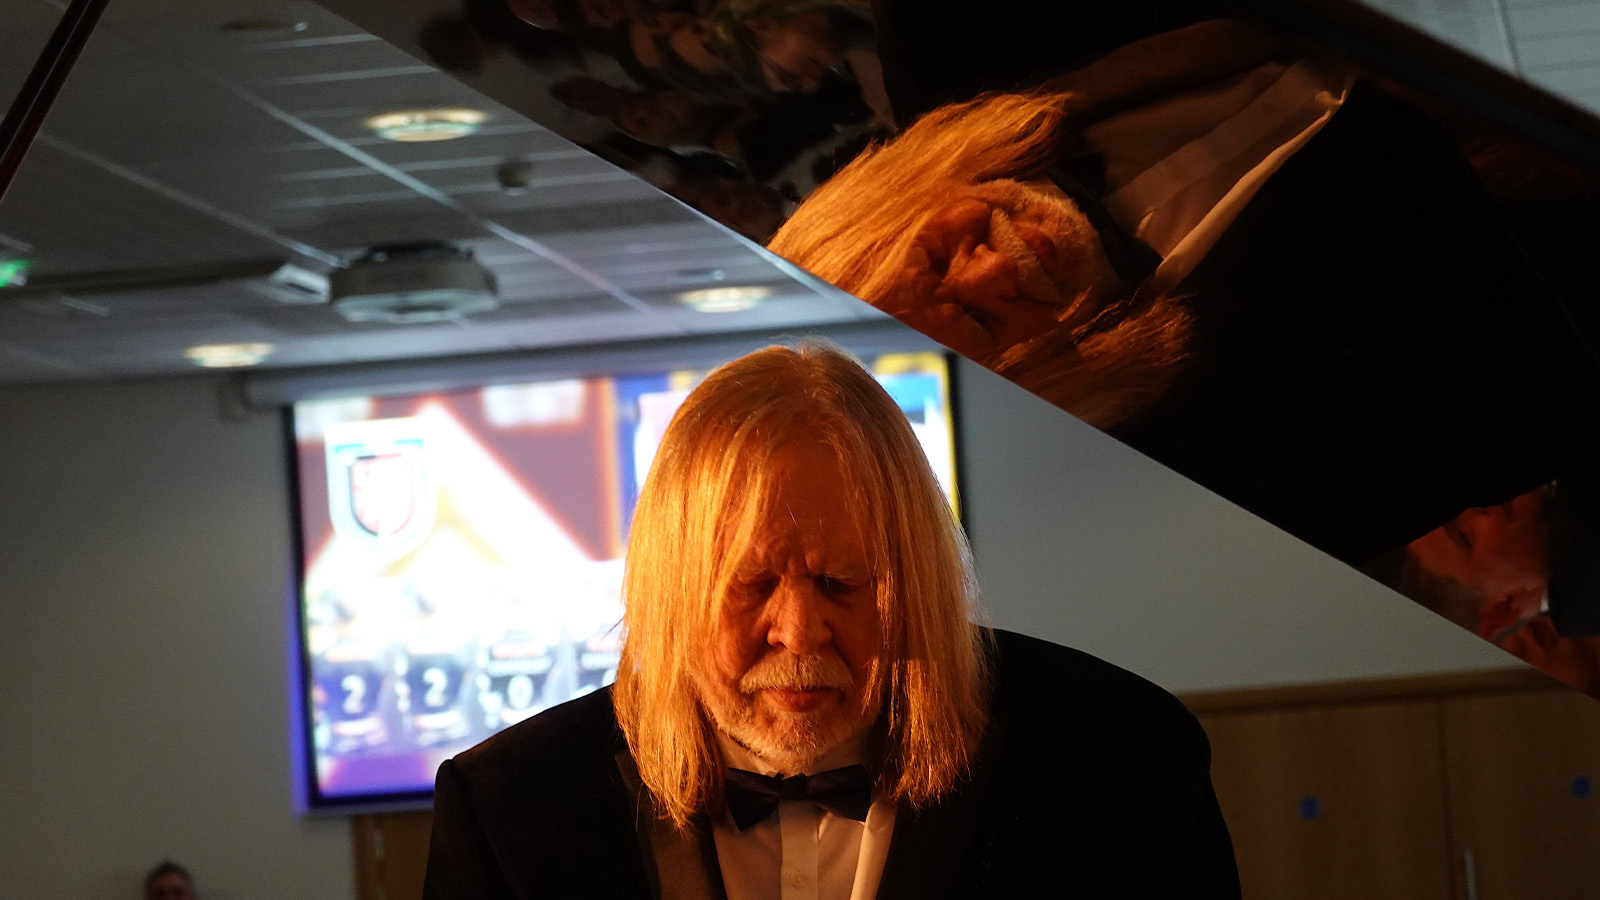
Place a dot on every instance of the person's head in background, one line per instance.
(168, 881)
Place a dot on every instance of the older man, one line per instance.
(804, 708)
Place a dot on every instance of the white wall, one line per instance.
(144, 555)
(145, 559)
(1082, 541)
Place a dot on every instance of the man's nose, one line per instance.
(799, 617)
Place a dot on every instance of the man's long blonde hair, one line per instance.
(695, 518)
(1102, 361)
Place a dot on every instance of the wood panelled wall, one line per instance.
(1479, 786)
(1472, 787)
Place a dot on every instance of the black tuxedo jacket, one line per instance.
(1378, 351)
(1091, 783)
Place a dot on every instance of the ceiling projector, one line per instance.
(412, 283)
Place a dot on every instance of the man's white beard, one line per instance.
(790, 742)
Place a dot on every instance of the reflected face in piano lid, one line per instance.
(1002, 262)
(1500, 553)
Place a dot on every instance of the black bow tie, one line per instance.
(1082, 177)
(752, 797)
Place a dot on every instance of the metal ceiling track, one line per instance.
(33, 102)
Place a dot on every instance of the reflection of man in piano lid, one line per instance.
(1499, 555)
(1487, 570)
(1057, 225)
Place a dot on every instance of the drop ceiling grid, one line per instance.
(278, 204)
(1558, 46)
(566, 306)
(413, 220)
(93, 342)
(132, 108)
(1552, 43)
(666, 269)
(80, 218)
(20, 364)
(414, 88)
(685, 233)
(667, 272)
(149, 100)
(409, 342)
(173, 304)
(797, 311)
(257, 62)
(665, 260)
(525, 296)
(115, 341)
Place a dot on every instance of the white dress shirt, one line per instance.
(1178, 172)
(803, 852)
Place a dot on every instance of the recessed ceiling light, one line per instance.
(426, 124)
(724, 299)
(227, 356)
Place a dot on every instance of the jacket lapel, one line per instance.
(681, 866)
(934, 851)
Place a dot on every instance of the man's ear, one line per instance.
(971, 282)
(915, 299)
(974, 268)
(953, 231)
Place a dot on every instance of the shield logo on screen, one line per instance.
(379, 492)
(383, 492)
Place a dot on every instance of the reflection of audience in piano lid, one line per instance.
(777, 47)
(708, 182)
(662, 118)
(744, 50)
(753, 209)
(763, 142)
(571, 14)
(463, 43)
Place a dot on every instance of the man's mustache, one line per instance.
(785, 671)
